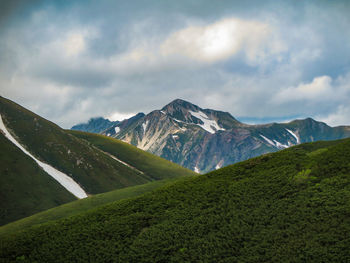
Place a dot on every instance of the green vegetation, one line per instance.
(24, 187)
(303, 176)
(93, 170)
(155, 167)
(319, 151)
(253, 211)
(82, 205)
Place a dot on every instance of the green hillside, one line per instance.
(26, 189)
(83, 205)
(289, 206)
(92, 169)
(155, 167)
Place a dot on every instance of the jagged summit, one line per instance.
(180, 102)
(188, 112)
(179, 105)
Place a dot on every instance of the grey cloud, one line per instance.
(106, 76)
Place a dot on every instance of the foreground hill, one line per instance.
(83, 205)
(43, 166)
(204, 140)
(289, 206)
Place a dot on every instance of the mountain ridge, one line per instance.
(204, 139)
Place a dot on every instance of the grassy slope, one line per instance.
(154, 166)
(289, 206)
(82, 205)
(24, 187)
(93, 170)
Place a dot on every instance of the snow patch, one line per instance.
(218, 166)
(196, 169)
(208, 124)
(175, 136)
(144, 126)
(294, 135)
(66, 181)
(117, 129)
(108, 134)
(163, 112)
(268, 140)
(122, 162)
(275, 143)
(280, 145)
(178, 120)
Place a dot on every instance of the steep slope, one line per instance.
(204, 140)
(67, 182)
(25, 188)
(54, 149)
(289, 206)
(91, 168)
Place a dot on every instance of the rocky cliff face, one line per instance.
(205, 140)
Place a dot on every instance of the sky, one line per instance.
(262, 61)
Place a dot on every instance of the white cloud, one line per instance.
(119, 116)
(197, 46)
(340, 117)
(221, 40)
(74, 44)
(317, 89)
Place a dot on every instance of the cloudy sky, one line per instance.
(261, 61)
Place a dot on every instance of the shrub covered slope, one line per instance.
(289, 206)
(82, 205)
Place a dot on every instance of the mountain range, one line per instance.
(204, 140)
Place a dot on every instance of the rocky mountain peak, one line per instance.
(206, 139)
(180, 103)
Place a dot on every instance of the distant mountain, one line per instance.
(95, 125)
(42, 165)
(113, 130)
(204, 140)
